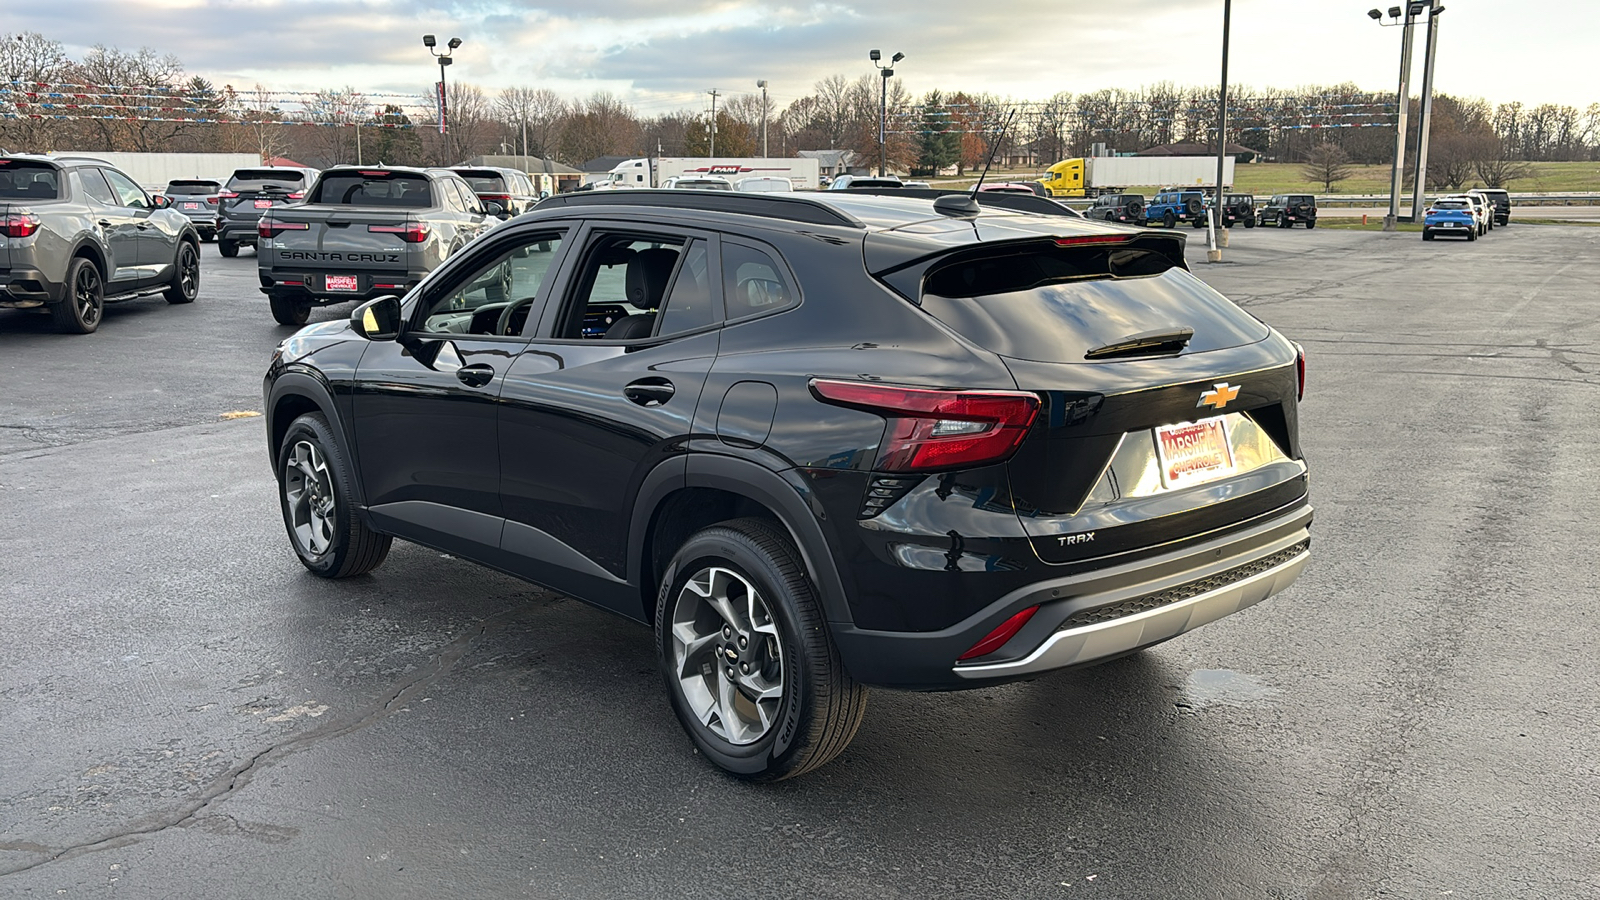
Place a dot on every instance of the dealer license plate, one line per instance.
(191, 206)
(1194, 452)
(263, 204)
(340, 283)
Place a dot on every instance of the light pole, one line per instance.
(1429, 54)
(887, 72)
(1402, 112)
(1222, 131)
(444, 60)
(763, 85)
(711, 127)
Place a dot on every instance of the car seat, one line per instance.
(648, 273)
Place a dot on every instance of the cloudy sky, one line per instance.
(665, 55)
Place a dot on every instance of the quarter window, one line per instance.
(753, 282)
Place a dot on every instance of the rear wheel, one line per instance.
(1427, 235)
(83, 300)
(745, 651)
(1169, 220)
(1249, 221)
(1310, 224)
(1472, 235)
(289, 310)
(227, 248)
(185, 284)
(319, 510)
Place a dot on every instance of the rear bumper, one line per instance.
(309, 285)
(239, 232)
(26, 288)
(1091, 616)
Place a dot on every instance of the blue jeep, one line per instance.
(1171, 206)
(1450, 215)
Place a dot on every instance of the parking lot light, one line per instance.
(1402, 104)
(431, 42)
(887, 72)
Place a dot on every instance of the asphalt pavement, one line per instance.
(186, 713)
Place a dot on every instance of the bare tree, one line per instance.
(1499, 172)
(1326, 164)
(28, 59)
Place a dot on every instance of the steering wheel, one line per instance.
(502, 326)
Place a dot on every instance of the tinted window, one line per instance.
(688, 304)
(1056, 304)
(509, 282)
(260, 179)
(186, 188)
(374, 189)
(128, 193)
(485, 182)
(753, 282)
(94, 184)
(623, 277)
(28, 181)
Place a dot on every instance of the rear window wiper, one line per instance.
(1166, 340)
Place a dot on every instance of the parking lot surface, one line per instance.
(187, 713)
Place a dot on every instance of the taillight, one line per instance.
(213, 200)
(933, 429)
(997, 638)
(411, 232)
(1080, 240)
(1300, 371)
(228, 195)
(19, 225)
(267, 228)
(298, 195)
(499, 198)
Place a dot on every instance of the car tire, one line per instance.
(1310, 224)
(289, 310)
(315, 492)
(1249, 221)
(1169, 220)
(227, 248)
(1472, 235)
(737, 593)
(83, 299)
(1198, 222)
(1427, 235)
(185, 284)
(1283, 222)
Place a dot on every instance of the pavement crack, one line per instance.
(238, 777)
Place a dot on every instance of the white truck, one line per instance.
(645, 173)
(1091, 176)
(154, 170)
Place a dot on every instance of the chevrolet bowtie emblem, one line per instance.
(1219, 396)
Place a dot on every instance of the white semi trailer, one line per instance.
(643, 173)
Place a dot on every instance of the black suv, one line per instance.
(1238, 209)
(816, 442)
(1127, 208)
(1289, 210)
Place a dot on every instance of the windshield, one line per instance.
(378, 188)
(28, 181)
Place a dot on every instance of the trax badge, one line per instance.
(1068, 540)
(1219, 396)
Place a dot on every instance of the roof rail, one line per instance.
(789, 208)
(1032, 203)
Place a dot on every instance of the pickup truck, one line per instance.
(363, 232)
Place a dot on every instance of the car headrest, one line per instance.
(648, 272)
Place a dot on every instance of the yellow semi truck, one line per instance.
(1094, 175)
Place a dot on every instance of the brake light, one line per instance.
(1093, 239)
(369, 173)
(411, 232)
(298, 195)
(269, 229)
(212, 200)
(997, 638)
(228, 195)
(1300, 371)
(934, 429)
(19, 225)
(502, 198)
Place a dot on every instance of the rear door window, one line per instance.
(1055, 304)
(374, 188)
(24, 180)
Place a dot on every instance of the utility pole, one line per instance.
(712, 126)
(763, 85)
(1428, 57)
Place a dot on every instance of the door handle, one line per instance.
(105, 223)
(142, 227)
(653, 391)
(476, 375)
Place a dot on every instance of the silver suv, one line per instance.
(251, 192)
(77, 233)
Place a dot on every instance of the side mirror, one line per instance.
(378, 319)
(161, 201)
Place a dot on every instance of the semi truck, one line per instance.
(652, 172)
(1095, 175)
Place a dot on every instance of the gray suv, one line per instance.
(196, 198)
(78, 234)
(248, 194)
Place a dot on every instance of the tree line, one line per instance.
(143, 100)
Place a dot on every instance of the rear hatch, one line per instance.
(358, 230)
(488, 185)
(195, 198)
(250, 192)
(24, 183)
(1167, 411)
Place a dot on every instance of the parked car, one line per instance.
(700, 183)
(196, 198)
(1450, 215)
(365, 231)
(1485, 210)
(1171, 206)
(78, 233)
(1501, 201)
(249, 193)
(815, 441)
(1016, 187)
(846, 182)
(511, 189)
(1289, 210)
(766, 184)
(919, 184)
(1128, 208)
(1237, 209)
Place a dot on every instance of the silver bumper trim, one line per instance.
(1103, 639)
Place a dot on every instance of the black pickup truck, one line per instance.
(363, 232)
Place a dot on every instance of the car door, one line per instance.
(605, 393)
(156, 247)
(468, 209)
(118, 225)
(425, 407)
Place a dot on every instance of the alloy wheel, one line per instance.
(308, 495)
(86, 293)
(727, 655)
(189, 271)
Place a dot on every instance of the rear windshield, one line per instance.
(28, 181)
(1240, 198)
(192, 187)
(1055, 304)
(485, 182)
(262, 179)
(1450, 204)
(374, 189)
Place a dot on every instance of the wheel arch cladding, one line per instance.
(677, 518)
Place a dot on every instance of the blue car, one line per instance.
(1448, 215)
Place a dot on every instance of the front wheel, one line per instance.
(318, 500)
(185, 284)
(745, 651)
(287, 310)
